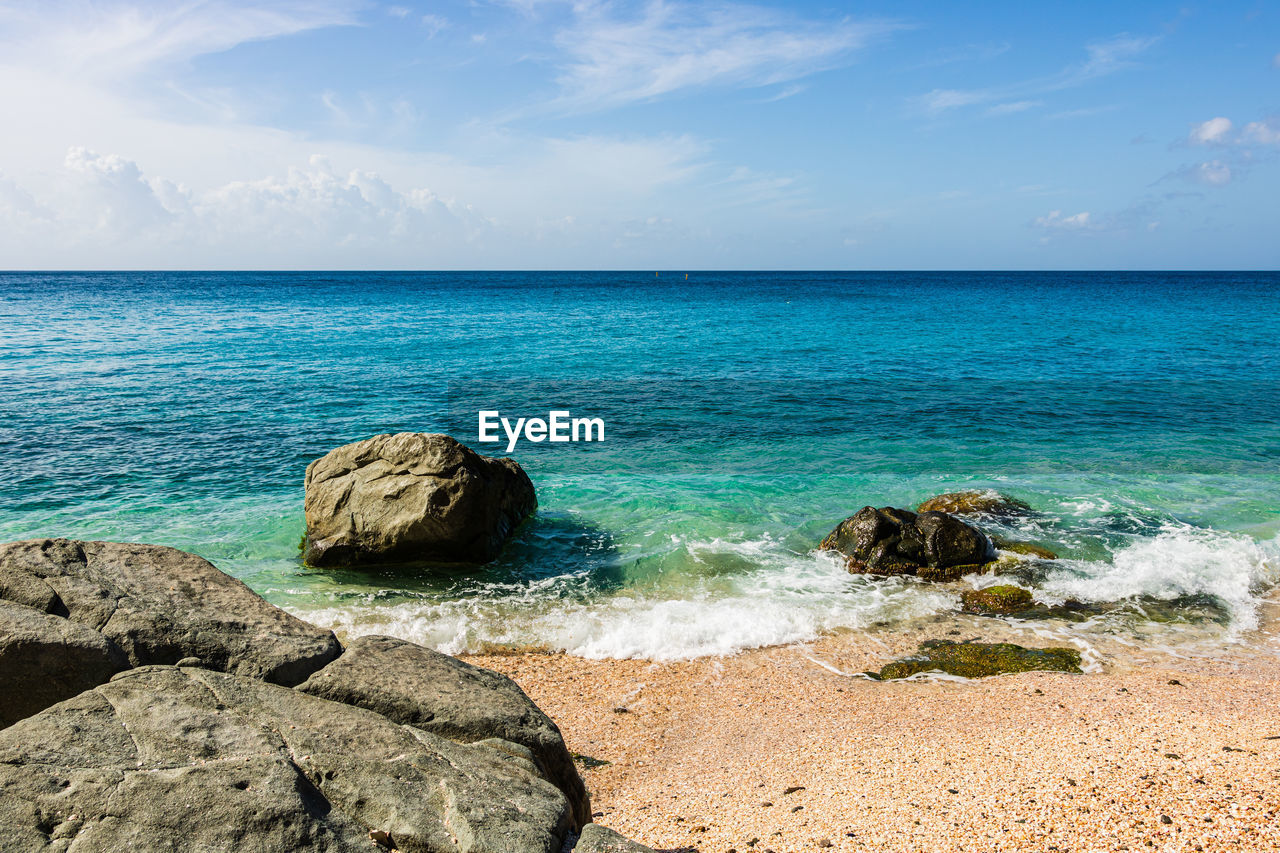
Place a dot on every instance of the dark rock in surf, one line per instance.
(419, 687)
(411, 498)
(930, 545)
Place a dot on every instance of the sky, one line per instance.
(537, 134)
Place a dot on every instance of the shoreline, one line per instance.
(1158, 752)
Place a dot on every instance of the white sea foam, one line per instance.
(789, 598)
(1179, 561)
(783, 597)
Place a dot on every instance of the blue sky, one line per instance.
(655, 135)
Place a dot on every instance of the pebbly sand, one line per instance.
(785, 749)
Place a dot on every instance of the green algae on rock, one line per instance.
(1026, 549)
(1001, 600)
(979, 660)
(975, 503)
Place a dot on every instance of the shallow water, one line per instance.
(746, 414)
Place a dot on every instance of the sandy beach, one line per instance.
(786, 749)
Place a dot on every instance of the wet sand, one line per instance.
(787, 749)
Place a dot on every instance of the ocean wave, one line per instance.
(787, 598)
(724, 595)
(1180, 561)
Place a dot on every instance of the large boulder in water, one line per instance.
(411, 498)
(177, 759)
(416, 686)
(76, 612)
(930, 545)
(976, 503)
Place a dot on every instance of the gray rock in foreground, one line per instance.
(399, 747)
(169, 759)
(416, 686)
(411, 498)
(599, 839)
(930, 545)
(45, 659)
(158, 605)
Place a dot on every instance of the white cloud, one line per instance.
(1263, 132)
(434, 24)
(104, 210)
(948, 99)
(110, 195)
(614, 58)
(1211, 132)
(1214, 173)
(204, 188)
(784, 93)
(1108, 56)
(1102, 58)
(114, 40)
(1211, 173)
(1012, 107)
(105, 205)
(1057, 222)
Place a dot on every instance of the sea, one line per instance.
(745, 413)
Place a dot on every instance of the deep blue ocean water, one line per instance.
(746, 414)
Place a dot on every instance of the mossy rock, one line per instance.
(975, 503)
(1027, 549)
(979, 660)
(1002, 600)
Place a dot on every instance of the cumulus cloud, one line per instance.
(105, 201)
(111, 196)
(564, 201)
(1263, 132)
(1211, 173)
(1211, 132)
(1214, 173)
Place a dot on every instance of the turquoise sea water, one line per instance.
(746, 414)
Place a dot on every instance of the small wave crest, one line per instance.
(1180, 561)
